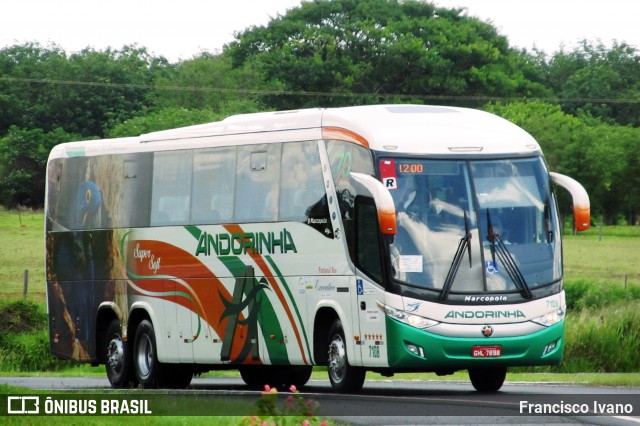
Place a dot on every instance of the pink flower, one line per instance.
(305, 423)
(293, 388)
(268, 389)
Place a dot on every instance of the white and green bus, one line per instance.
(386, 238)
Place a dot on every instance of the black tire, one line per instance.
(175, 376)
(145, 356)
(279, 376)
(118, 361)
(299, 375)
(487, 379)
(343, 377)
(252, 376)
(257, 376)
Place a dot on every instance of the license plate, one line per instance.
(486, 351)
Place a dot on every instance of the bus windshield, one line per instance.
(473, 226)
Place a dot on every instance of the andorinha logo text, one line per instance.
(245, 243)
(484, 314)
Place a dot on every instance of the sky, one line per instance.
(180, 30)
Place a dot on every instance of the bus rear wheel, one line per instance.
(118, 362)
(487, 379)
(343, 377)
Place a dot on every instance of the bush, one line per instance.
(584, 294)
(24, 340)
(603, 339)
(28, 352)
(21, 316)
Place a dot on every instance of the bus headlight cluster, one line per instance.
(413, 320)
(550, 318)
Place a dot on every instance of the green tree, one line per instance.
(83, 93)
(23, 160)
(598, 81)
(208, 82)
(382, 50)
(23, 72)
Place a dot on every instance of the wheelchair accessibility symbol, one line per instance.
(491, 267)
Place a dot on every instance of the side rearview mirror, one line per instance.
(581, 205)
(369, 186)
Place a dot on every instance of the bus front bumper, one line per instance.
(410, 348)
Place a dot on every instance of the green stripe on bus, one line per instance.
(293, 301)
(194, 230)
(267, 317)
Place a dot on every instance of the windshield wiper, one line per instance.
(498, 246)
(465, 243)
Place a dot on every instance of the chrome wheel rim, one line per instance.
(115, 354)
(144, 356)
(337, 359)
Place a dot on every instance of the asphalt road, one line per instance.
(406, 402)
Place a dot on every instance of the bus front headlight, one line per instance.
(550, 318)
(413, 320)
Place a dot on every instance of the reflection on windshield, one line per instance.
(437, 211)
(432, 201)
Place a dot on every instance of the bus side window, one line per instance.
(171, 191)
(301, 180)
(368, 251)
(54, 211)
(214, 179)
(347, 157)
(257, 183)
(130, 206)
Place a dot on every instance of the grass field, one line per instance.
(608, 255)
(21, 248)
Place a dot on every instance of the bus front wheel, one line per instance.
(145, 356)
(118, 362)
(343, 377)
(487, 379)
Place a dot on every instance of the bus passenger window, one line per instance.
(257, 183)
(171, 189)
(301, 180)
(214, 178)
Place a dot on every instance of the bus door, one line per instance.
(372, 344)
(368, 257)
